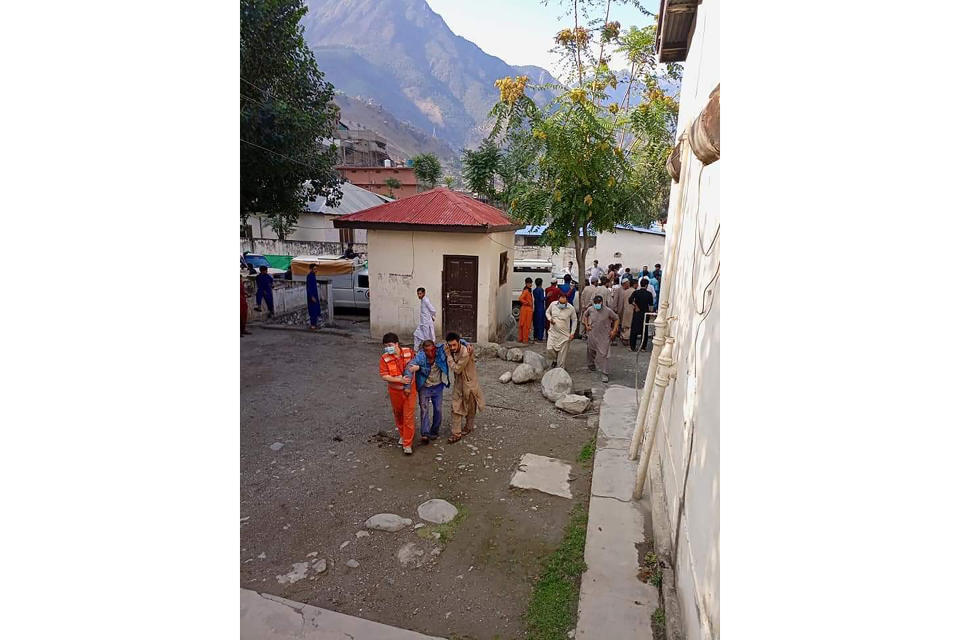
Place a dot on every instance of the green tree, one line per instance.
(426, 166)
(392, 183)
(481, 168)
(286, 110)
(585, 162)
(449, 181)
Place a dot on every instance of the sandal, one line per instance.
(455, 438)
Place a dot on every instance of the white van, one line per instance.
(528, 268)
(352, 291)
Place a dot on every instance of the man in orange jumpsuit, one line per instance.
(526, 311)
(396, 371)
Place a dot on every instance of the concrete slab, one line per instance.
(267, 617)
(541, 473)
(614, 603)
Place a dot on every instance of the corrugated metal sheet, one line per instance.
(674, 29)
(354, 199)
(440, 207)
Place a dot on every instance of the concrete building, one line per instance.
(459, 249)
(629, 245)
(685, 468)
(315, 233)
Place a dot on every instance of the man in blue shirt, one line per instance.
(265, 290)
(313, 297)
(432, 363)
(568, 288)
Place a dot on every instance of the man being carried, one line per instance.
(467, 396)
(432, 368)
(562, 320)
(395, 369)
(424, 330)
(602, 325)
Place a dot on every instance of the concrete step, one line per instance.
(614, 603)
(267, 617)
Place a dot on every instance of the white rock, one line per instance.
(515, 355)
(262, 556)
(353, 564)
(572, 403)
(299, 572)
(408, 553)
(523, 373)
(555, 384)
(506, 376)
(344, 544)
(362, 534)
(437, 511)
(486, 349)
(276, 446)
(320, 565)
(502, 353)
(535, 360)
(387, 522)
(419, 525)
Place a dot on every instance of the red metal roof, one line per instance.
(438, 207)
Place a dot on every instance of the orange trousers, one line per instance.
(403, 411)
(525, 324)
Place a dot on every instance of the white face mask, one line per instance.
(598, 306)
(390, 350)
(562, 305)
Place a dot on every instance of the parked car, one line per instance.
(352, 291)
(250, 264)
(528, 268)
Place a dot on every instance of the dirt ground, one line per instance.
(320, 396)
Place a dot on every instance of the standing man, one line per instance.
(604, 290)
(568, 289)
(596, 271)
(432, 363)
(313, 297)
(570, 271)
(642, 301)
(590, 290)
(425, 329)
(539, 310)
(552, 293)
(645, 272)
(526, 312)
(626, 319)
(560, 314)
(265, 290)
(467, 396)
(395, 370)
(618, 298)
(602, 326)
(243, 310)
(657, 273)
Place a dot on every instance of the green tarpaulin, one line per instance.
(279, 262)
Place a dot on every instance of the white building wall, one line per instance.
(311, 227)
(636, 248)
(401, 261)
(689, 428)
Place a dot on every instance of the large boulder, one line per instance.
(437, 511)
(486, 349)
(515, 355)
(387, 522)
(555, 384)
(535, 360)
(572, 403)
(502, 353)
(506, 376)
(523, 373)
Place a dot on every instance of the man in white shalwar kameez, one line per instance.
(428, 314)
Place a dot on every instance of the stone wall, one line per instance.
(298, 247)
(289, 302)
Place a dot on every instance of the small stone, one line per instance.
(262, 556)
(502, 353)
(515, 355)
(244, 519)
(419, 525)
(311, 554)
(362, 534)
(437, 511)
(409, 553)
(435, 551)
(344, 545)
(299, 572)
(572, 403)
(320, 565)
(506, 376)
(353, 564)
(523, 373)
(387, 522)
(436, 535)
(276, 446)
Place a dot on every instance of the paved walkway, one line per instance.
(267, 617)
(614, 603)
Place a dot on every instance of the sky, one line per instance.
(522, 31)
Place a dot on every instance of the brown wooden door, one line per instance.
(460, 296)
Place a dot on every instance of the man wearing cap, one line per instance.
(552, 293)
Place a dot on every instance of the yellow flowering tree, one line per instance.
(596, 156)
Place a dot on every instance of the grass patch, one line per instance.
(650, 570)
(586, 454)
(553, 606)
(446, 530)
(658, 620)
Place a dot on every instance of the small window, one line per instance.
(363, 282)
(503, 268)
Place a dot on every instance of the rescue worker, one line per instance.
(395, 370)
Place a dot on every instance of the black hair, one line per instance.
(419, 289)
(528, 281)
(538, 282)
(390, 337)
(657, 265)
(453, 335)
(313, 265)
(644, 283)
(597, 299)
(567, 278)
(263, 267)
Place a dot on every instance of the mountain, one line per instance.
(402, 55)
(403, 139)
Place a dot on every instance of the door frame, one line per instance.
(474, 294)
